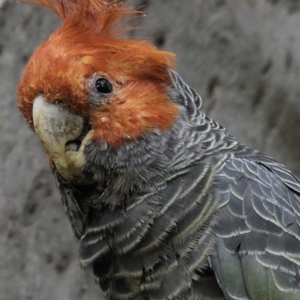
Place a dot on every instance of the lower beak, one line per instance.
(56, 126)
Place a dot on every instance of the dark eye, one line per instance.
(103, 86)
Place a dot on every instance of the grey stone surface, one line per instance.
(243, 56)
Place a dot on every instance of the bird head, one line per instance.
(88, 84)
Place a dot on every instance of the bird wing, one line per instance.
(257, 251)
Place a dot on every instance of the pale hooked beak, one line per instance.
(56, 127)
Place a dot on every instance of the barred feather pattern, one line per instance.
(257, 253)
(187, 213)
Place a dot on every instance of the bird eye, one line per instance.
(103, 86)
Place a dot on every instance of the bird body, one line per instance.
(164, 202)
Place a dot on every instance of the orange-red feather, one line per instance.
(87, 44)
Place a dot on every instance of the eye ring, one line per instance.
(103, 86)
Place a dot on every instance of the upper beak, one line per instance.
(56, 126)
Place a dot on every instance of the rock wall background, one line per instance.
(243, 56)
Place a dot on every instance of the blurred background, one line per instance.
(242, 56)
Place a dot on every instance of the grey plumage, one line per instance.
(188, 213)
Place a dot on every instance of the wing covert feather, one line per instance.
(259, 225)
